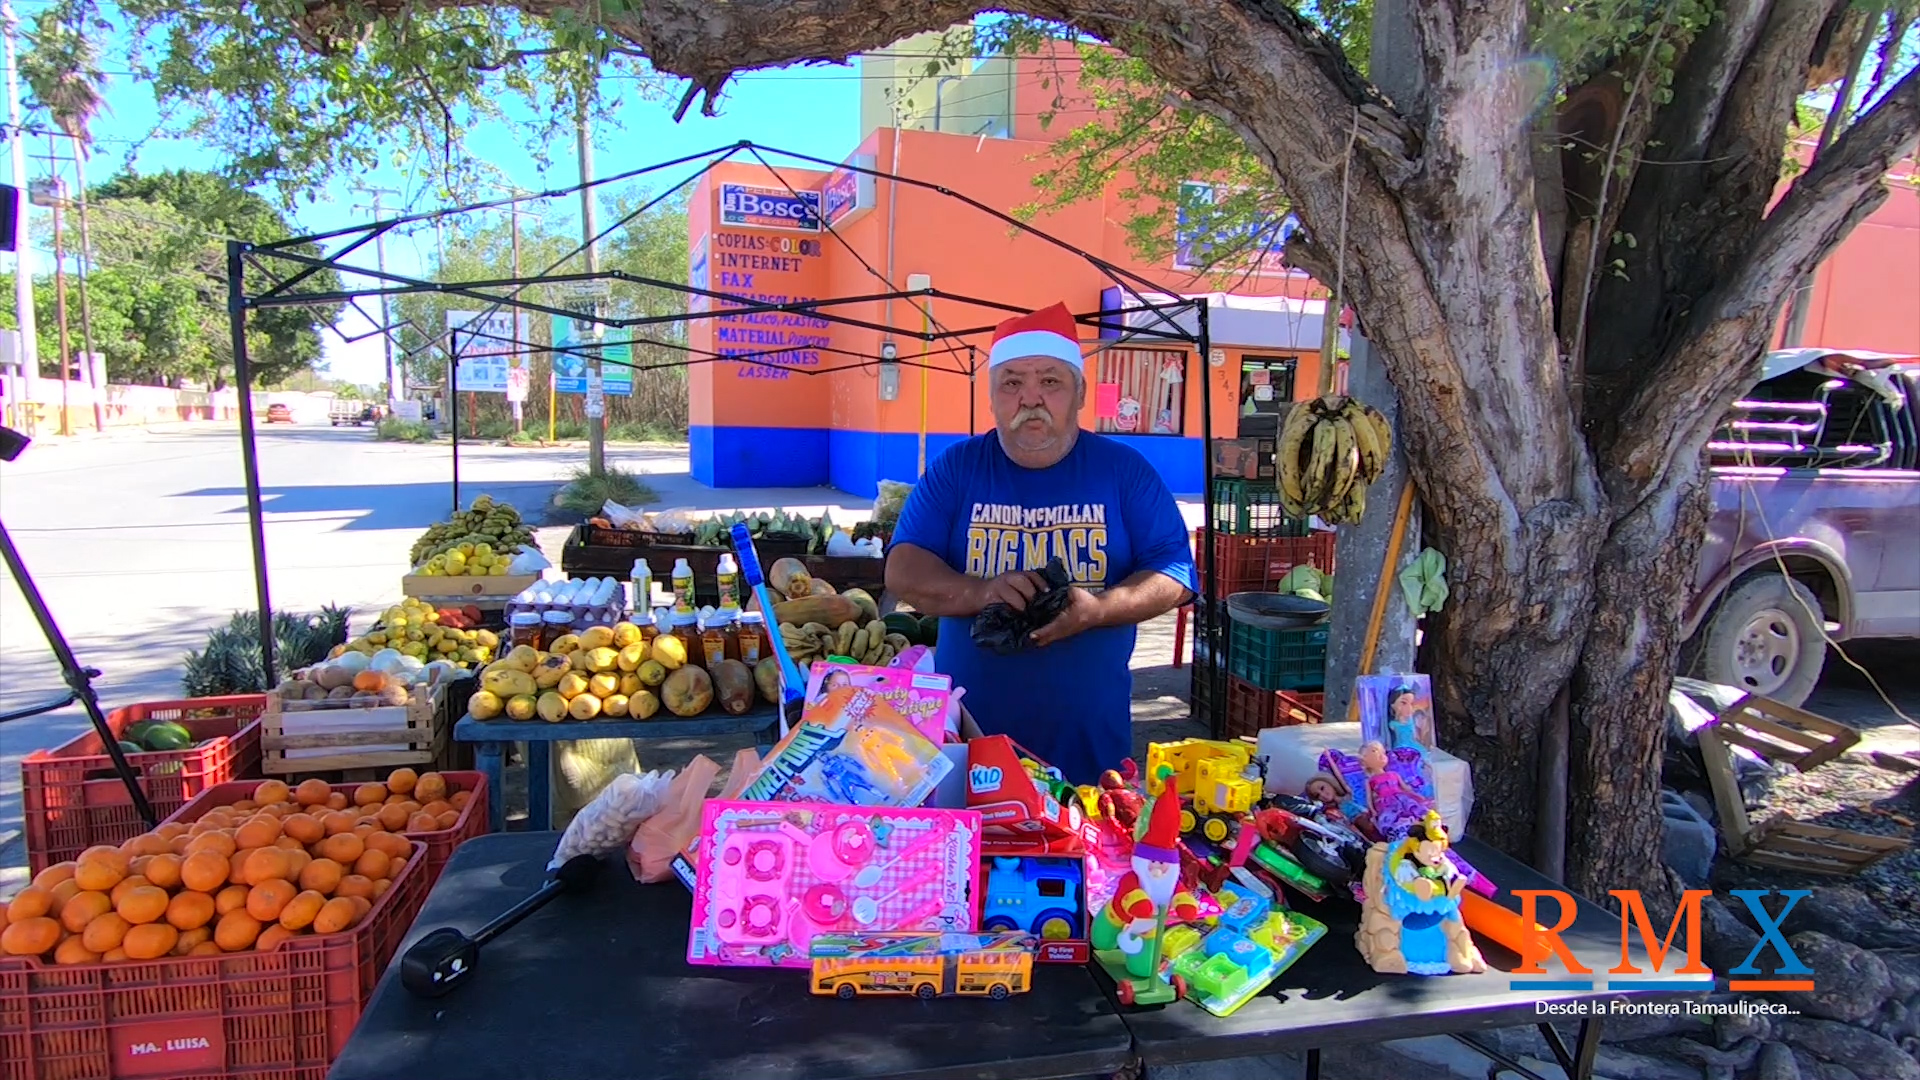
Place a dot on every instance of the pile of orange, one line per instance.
(283, 863)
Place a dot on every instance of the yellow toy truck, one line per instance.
(1220, 779)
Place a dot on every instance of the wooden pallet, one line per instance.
(352, 738)
(1781, 733)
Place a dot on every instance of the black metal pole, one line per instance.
(249, 453)
(453, 407)
(1203, 617)
(79, 679)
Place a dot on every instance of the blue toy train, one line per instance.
(1034, 895)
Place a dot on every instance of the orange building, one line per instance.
(791, 402)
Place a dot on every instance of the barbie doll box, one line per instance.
(1292, 755)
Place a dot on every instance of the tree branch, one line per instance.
(1675, 409)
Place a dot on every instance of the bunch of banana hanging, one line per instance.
(1328, 451)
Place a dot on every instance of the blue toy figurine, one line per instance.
(1410, 922)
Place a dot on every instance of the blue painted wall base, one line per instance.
(856, 461)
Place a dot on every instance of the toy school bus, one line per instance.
(924, 965)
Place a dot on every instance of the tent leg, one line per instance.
(1203, 610)
(249, 451)
(453, 425)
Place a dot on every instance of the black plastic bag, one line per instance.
(1006, 631)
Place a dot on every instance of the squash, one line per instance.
(372, 681)
(826, 610)
(870, 610)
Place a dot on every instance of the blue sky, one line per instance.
(808, 110)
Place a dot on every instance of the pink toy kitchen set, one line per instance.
(772, 876)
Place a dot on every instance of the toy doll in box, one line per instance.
(852, 747)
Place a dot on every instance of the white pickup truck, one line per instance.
(343, 411)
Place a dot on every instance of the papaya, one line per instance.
(865, 600)
(733, 685)
(826, 610)
(904, 623)
(789, 577)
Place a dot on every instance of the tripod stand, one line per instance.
(79, 679)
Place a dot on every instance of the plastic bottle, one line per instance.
(728, 577)
(682, 588)
(642, 579)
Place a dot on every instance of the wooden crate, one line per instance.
(465, 590)
(352, 737)
(1781, 732)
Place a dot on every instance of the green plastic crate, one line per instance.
(1252, 508)
(1278, 659)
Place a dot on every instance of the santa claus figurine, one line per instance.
(1152, 886)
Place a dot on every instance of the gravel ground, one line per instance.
(1853, 792)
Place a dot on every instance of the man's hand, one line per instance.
(1082, 613)
(1015, 588)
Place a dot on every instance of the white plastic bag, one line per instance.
(606, 824)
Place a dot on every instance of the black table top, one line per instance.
(1330, 996)
(596, 986)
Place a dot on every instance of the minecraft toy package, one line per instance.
(854, 748)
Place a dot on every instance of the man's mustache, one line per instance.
(1038, 412)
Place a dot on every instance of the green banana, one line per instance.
(1366, 440)
(1318, 480)
(1286, 453)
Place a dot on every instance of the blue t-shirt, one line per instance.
(1107, 515)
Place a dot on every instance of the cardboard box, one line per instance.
(465, 590)
(1247, 459)
(1011, 802)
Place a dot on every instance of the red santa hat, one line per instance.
(1049, 332)
(1158, 838)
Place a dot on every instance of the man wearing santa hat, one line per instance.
(1128, 921)
(989, 514)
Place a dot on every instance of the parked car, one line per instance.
(1816, 496)
(279, 414)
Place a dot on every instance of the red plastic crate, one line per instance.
(1251, 710)
(280, 1015)
(473, 820)
(69, 808)
(1257, 563)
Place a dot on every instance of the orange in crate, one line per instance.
(72, 799)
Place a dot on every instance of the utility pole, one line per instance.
(596, 419)
(519, 408)
(23, 243)
(396, 385)
(52, 195)
(98, 368)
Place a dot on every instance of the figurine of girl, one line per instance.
(1330, 792)
(1388, 797)
(1408, 725)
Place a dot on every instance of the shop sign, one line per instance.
(485, 345)
(752, 206)
(847, 193)
(1191, 248)
(699, 275)
(760, 269)
(570, 369)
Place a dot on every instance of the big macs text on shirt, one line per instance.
(1004, 537)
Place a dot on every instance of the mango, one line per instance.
(596, 637)
(548, 671)
(601, 658)
(632, 656)
(584, 707)
(572, 685)
(565, 644)
(625, 634)
(669, 652)
(521, 658)
(643, 705)
(521, 707)
(509, 683)
(603, 684)
(614, 706)
(551, 707)
(484, 705)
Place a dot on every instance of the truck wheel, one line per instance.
(1766, 638)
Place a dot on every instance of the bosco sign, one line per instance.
(751, 206)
